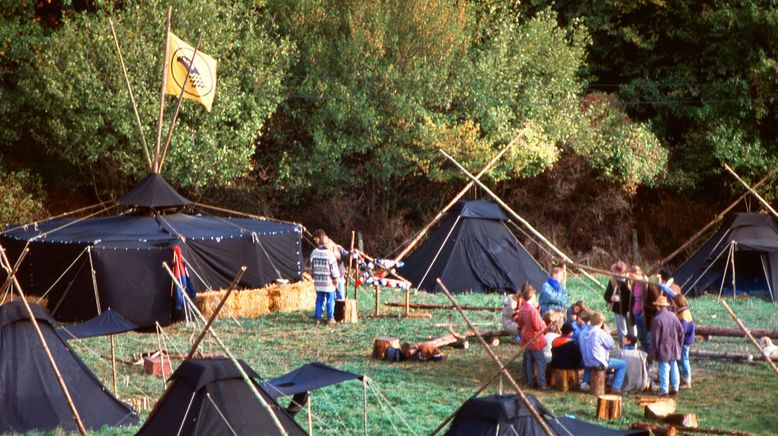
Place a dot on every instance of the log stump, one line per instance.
(346, 311)
(381, 344)
(609, 407)
(562, 379)
(597, 382)
(688, 420)
(658, 408)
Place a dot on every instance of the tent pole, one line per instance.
(6, 265)
(710, 224)
(749, 335)
(542, 422)
(132, 97)
(486, 384)
(456, 198)
(723, 276)
(767, 277)
(232, 358)
(161, 356)
(216, 311)
(178, 105)
(348, 273)
(377, 300)
(364, 407)
(310, 417)
(440, 249)
(517, 217)
(162, 92)
(113, 368)
(94, 279)
(752, 191)
(732, 259)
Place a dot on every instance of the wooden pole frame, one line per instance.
(542, 422)
(132, 97)
(416, 239)
(751, 190)
(749, 336)
(229, 354)
(113, 368)
(539, 235)
(162, 91)
(8, 267)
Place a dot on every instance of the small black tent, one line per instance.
(30, 396)
(506, 415)
(126, 252)
(473, 250)
(209, 397)
(306, 378)
(744, 251)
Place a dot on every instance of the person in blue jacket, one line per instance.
(553, 295)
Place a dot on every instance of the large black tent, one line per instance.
(209, 397)
(30, 396)
(742, 256)
(473, 250)
(506, 415)
(126, 252)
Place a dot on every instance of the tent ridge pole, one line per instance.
(162, 91)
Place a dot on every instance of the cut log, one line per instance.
(381, 344)
(346, 311)
(660, 408)
(597, 382)
(442, 306)
(726, 355)
(658, 430)
(563, 379)
(733, 332)
(688, 420)
(609, 407)
(654, 429)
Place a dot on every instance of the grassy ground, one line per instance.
(413, 398)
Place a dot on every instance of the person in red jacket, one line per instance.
(530, 324)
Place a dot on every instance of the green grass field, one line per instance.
(413, 398)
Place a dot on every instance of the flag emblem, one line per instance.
(201, 85)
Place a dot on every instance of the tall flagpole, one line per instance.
(162, 92)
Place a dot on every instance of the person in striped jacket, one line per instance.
(325, 272)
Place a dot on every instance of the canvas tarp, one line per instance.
(473, 251)
(107, 323)
(307, 378)
(31, 397)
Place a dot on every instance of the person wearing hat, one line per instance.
(619, 297)
(667, 337)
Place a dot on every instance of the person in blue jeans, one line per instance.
(666, 343)
(325, 272)
(596, 344)
(687, 322)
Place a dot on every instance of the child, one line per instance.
(510, 305)
(687, 322)
(552, 321)
(581, 324)
(565, 352)
(530, 324)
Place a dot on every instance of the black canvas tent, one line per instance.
(306, 378)
(473, 250)
(742, 256)
(209, 397)
(126, 252)
(506, 415)
(107, 323)
(30, 396)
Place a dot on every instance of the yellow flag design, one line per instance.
(201, 86)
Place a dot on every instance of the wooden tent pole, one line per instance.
(364, 407)
(132, 97)
(348, 271)
(751, 190)
(749, 336)
(542, 422)
(216, 311)
(178, 105)
(516, 216)
(454, 200)
(702, 231)
(6, 265)
(229, 354)
(113, 369)
(485, 384)
(310, 417)
(162, 92)
(161, 355)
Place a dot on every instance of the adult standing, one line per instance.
(553, 295)
(596, 344)
(341, 255)
(619, 297)
(667, 337)
(325, 272)
(639, 282)
(530, 324)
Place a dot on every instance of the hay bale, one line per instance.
(250, 303)
(32, 299)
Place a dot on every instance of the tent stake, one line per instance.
(113, 369)
(710, 224)
(542, 422)
(752, 191)
(6, 265)
(517, 217)
(162, 92)
(456, 198)
(229, 354)
(749, 336)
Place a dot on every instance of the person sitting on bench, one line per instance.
(596, 344)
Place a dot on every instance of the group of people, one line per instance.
(653, 323)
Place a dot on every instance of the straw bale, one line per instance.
(32, 299)
(250, 303)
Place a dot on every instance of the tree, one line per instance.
(76, 104)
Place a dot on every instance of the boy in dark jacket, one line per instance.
(619, 297)
(666, 343)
